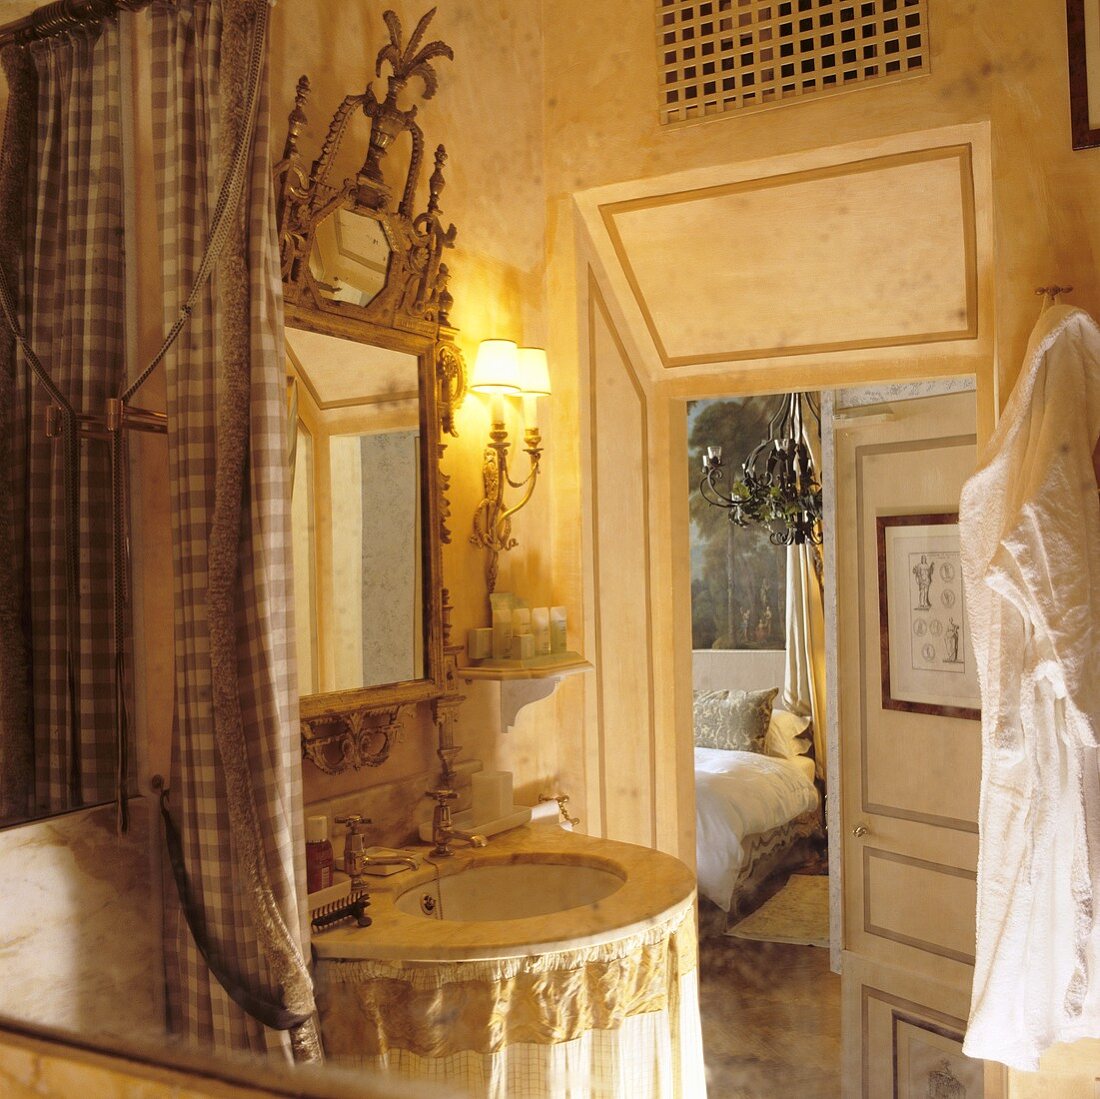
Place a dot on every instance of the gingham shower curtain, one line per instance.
(65, 265)
(236, 777)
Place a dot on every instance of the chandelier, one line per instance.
(779, 488)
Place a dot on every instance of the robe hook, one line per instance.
(1053, 291)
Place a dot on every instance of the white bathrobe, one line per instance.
(1030, 527)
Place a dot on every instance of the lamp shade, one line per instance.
(534, 373)
(496, 368)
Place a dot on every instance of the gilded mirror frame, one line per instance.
(348, 729)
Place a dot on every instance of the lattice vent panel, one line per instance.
(727, 55)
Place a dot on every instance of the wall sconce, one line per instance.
(503, 370)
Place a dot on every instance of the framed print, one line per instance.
(928, 663)
(1083, 35)
(929, 1061)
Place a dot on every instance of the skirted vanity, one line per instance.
(545, 964)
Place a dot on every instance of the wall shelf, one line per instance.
(537, 667)
(525, 681)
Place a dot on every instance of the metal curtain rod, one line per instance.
(118, 417)
(63, 15)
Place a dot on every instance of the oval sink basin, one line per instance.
(510, 891)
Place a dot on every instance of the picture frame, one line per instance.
(928, 1060)
(1083, 41)
(928, 664)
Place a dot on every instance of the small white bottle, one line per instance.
(502, 634)
(540, 627)
(558, 642)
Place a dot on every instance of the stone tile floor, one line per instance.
(771, 1016)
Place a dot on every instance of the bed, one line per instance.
(757, 806)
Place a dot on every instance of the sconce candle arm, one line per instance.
(533, 448)
(493, 519)
(528, 484)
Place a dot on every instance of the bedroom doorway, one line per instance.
(761, 854)
(772, 1012)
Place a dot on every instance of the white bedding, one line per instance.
(739, 794)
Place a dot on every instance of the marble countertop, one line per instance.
(655, 885)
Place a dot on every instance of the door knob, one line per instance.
(860, 830)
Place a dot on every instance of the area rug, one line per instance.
(798, 913)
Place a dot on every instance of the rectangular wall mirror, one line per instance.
(358, 527)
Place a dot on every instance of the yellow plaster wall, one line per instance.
(1004, 62)
(488, 112)
(1001, 64)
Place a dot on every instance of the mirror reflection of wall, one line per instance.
(359, 579)
(350, 257)
(378, 611)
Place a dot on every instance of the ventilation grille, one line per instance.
(726, 55)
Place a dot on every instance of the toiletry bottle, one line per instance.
(502, 633)
(557, 630)
(319, 860)
(540, 626)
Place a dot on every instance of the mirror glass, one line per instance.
(350, 257)
(357, 515)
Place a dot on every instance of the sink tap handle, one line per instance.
(354, 846)
(353, 840)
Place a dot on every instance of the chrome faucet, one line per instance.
(356, 859)
(444, 831)
(354, 845)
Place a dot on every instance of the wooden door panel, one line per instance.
(910, 1035)
(910, 782)
(913, 766)
(919, 903)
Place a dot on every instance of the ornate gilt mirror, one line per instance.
(373, 378)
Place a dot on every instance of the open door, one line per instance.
(910, 773)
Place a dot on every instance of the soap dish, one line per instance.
(520, 814)
(386, 852)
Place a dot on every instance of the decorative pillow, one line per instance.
(785, 737)
(735, 721)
